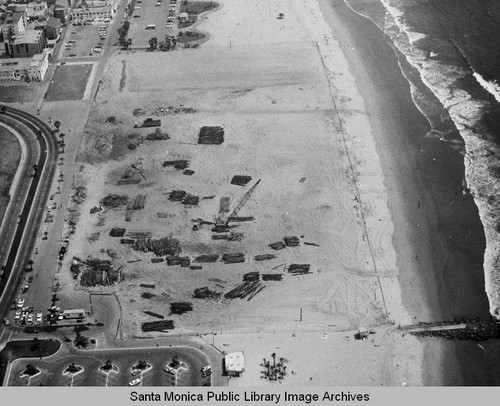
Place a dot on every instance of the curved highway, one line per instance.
(23, 237)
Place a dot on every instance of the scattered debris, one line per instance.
(147, 285)
(157, 260)
(311, 243)
(244, 290)
(99, 272)
(157, 135)
(139, 112)
(178, 164)
(160, 247)
(235, 236)
(147, 295)
(211, 135)
(162, 111)
(95, 209)
(292, 241)
(251, 277)
(79, 195)
(162, 215)
(113, 201)
(138, 203)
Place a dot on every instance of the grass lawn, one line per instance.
(69, 82)
(189, 36)
(11, 153)
(23, 349)
(17, 93)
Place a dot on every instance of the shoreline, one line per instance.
(417, 197)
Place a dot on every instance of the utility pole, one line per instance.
(301, 314)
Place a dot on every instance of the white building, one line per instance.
(38, 66)
(93, 10)
(14, 69)
(234, 363)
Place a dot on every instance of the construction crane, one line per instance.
(223, 220)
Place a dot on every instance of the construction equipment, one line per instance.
(223, 219)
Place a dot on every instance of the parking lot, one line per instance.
(82, 39)
(149, 13)
(52, 371)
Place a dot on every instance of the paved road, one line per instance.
(25, 233)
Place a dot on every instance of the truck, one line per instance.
(151, 27)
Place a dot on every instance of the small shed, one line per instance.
(234, 363)
(184, 17)
(362, 333)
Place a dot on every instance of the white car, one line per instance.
(135, 371)
(39, 317)
(97, 49)
(20, 302)
(170, 370)
(30, 318)
(18, 315)
(135, 382)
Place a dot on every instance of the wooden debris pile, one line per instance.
(99, 272)
(207, 258)
(180, 164)
(233, 258)
(211, 135)
(188, 172)
(113, 201)
(272, 277)
(180, 307)
(158, 325)
(147, 295)
(80, 194)
(176, 260)
(117, 232)
(158, 316)
(196, 267)
(240, 218)
(139, 234)
(220, 236)
(138, 203)
(190, 200)
(162, 111)
(264, 257)
(157, 260)
(279, 245)
(184, 197)
(206, 293)
(160, 247)
(291, 241)
(251, 277)
(127, 241)
(240, 180)
(299, 269)
(246, 289)
(235, 236)
(157, 135)
(147, 285)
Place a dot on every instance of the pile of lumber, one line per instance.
(196, 267)
(251, 277)
(299, 269)
(178, 164)
(235, 236)
(128, 215)
(117, 232)
(219, 236)
(158, 316)
(245, 289)
(158, 325)
(138, 203)
(211, 135)
(241, 218)
(207, 258)
(272, 277)
(80, 194)
(139, 235)
(127, 241)
(205, 293)
(240, 180)
(157, 260)
(264, 257)
(220, 228)
(113, 200)
(176, 260)
(157, 135)
(177, 195)
(147, 285)
(99, 272)
(191, 200)
(233, 258)
(180, 307)
(162, 215)
(279, 245)
(147, 295)
(188, 172)
(160, 247)
(291, 241)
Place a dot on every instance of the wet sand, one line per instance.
(438, 235)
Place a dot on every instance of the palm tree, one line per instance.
(61, 145)
(57, 124)
(273, 355)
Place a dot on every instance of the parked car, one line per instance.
(135, 382)
(135, 371)
(170, 370)
(18, 315)
(25, 288)
(39, 317)
(206, 371)
(30, 318)
(30, 279)
(20, 302)
(6, 321)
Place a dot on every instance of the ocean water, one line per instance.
(449, 51)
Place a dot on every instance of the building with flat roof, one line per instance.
(52, 26)
(234, 363)
(14, 69)
(27, 43)
(39, 66)
(93, 10)
(36, 10)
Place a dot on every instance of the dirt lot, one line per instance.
(11, 154)
(69, 82)
(278, 124)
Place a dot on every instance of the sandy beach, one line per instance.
(315, 107)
